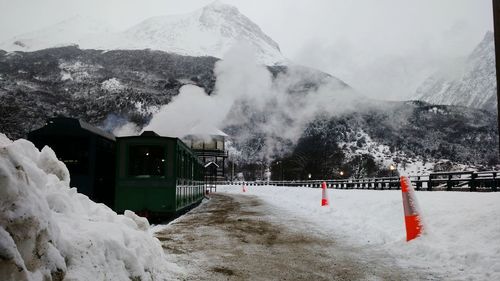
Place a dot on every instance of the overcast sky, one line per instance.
(381, 47)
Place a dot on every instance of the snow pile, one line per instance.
(48, 231)
(461, 229)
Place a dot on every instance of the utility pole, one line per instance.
(496, 32)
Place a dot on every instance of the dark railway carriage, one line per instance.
(87, 151)
(156, 176)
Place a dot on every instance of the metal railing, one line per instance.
(445, 181)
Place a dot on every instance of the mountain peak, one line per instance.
(218, 5)
(209, 31)
(230, 23)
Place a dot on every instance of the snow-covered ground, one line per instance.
(48, 231)
(461, 235)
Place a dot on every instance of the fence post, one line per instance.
(495, 182)
(473, 183)
(429, 184)
(448, 183)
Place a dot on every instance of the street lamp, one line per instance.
(341, 173)
(392, 168)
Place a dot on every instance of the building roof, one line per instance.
(205, 130)
(211, 163)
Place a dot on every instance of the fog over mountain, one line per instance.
(470, 83)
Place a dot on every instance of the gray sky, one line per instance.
(384, 48)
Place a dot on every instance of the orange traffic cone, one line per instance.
(324, 197)
(244, 188)
(412, 218)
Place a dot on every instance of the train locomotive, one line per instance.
(152, 175)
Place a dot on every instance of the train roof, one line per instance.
(64, 125)
(152, 134)
(148, 134)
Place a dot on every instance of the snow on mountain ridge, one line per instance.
(209, 31)
(67, 32)
(231, 13)
(471, 84)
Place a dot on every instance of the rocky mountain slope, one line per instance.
(100, 87)
(111, 88)
(471, 83)
(209, 31)
(106, 88)
(416, 137)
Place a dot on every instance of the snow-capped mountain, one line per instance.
(209, 31)
(471, 83)
(75, 30)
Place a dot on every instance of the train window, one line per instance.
(147, 160)
(182, 164)
(184, 175)
(179, 169)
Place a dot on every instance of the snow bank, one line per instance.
(48, 231)
(461, 229)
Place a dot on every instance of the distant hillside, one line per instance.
(105, 88)
(415, 136)
(110, 88)
(100, 87)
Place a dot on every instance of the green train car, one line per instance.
(156, 176)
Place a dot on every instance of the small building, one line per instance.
(209, 146)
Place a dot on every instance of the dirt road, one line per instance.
(237, 237)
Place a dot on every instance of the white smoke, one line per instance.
(246, 96)
(186, 111)
(128, 129)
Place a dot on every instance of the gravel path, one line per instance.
(238, 237)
